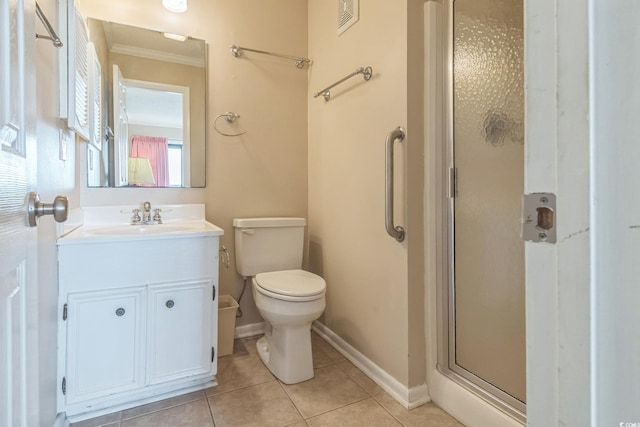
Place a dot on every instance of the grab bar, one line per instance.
(395, 231)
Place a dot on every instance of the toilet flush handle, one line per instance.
(248, 231)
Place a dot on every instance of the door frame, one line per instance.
(184, 91)
(557, 161)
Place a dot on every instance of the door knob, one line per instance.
(35, 208)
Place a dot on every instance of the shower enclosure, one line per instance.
(483, 309)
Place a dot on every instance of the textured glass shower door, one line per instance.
(486, 298)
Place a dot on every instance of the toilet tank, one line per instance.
(268, 244)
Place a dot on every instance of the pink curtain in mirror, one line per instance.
(156, 149)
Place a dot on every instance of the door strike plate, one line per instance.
(538, 220)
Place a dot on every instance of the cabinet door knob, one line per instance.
(120, 312)
(170, 303)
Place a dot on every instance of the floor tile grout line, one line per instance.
(241, 388)
(388, 411)
(122, 418)
(291, 400)
(338, 408)
(368, 395)
(354, 380)
(87, 421)
(213, 418)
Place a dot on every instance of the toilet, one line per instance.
(269, 250)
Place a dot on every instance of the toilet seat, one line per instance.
(290, 285)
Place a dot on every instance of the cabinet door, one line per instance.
(105, 343)
(179, 330)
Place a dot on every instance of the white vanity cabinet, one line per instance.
(138, 319)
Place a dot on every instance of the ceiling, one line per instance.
(151, 107)
(153, 44)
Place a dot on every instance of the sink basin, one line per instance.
(96, 233)
(139, 229)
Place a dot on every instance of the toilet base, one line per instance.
(263, 350)
(287, 353)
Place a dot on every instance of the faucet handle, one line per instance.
(156, 215)
(135, 219)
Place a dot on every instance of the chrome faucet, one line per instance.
(146, 212)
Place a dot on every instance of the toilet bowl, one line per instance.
(289, 301)
(269, 250)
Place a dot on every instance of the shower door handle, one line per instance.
(395, 231)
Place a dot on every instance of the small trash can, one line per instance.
(227, 308)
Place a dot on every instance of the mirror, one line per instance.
(154, 106)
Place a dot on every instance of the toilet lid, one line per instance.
(292, 283)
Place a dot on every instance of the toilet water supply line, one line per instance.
(239, 312)
(226, 262)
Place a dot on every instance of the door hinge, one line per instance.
(65, 311)
(64, 385)
(213, 353)
(453, 183)
(214, 293)
(538, 218)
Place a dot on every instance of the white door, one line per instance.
(120, 130)
(179, 330)
(18, 242)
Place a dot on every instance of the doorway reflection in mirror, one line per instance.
(159, 90)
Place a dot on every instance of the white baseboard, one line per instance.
(468, 408)
(408, 397)
(61, 421)
(249, 330)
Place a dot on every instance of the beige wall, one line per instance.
(264, 172)
(370, 277)
(415, 192)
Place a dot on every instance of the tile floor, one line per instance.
(248, 395)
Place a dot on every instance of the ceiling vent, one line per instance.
(347, 14)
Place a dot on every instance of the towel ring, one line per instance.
(229, 117)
